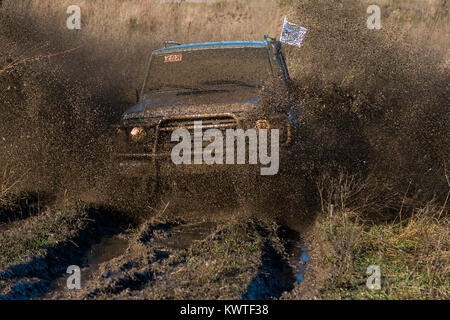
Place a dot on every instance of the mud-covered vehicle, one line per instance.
(219, 84)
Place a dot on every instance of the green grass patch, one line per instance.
(34, 235)
(413, 258)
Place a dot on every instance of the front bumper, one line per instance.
(155, 158)
(164, 167)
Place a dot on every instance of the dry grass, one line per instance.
(413, 252)
(149, 21)
(134, 28)
(38, 234)
(10, 183)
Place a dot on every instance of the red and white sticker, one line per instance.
(173, 58)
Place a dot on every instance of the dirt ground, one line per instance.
(184, 249)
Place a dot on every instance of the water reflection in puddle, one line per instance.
(108, 248)
(181, 237)
(301, 264)
(299, 257)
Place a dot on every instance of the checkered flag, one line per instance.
(292, 34)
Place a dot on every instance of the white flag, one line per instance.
(292, 34)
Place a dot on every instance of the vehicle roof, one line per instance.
(213, 45)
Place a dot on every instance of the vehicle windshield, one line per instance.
(208, 68)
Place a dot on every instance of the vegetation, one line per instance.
(411, 248)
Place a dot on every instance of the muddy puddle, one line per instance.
(298, 254)
(277, 274)
(183, 236)
(179, 237)
(110, 247)
(300, 259)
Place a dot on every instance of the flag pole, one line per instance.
(282, 28)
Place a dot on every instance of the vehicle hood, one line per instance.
(166, 104)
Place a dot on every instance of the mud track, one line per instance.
(34, 277)
(177, 253)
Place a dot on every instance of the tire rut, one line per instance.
(35, 278)
(161, 240)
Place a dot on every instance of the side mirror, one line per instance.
(131, 96)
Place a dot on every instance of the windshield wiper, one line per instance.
(232, 82)
(177, 88)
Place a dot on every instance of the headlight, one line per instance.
(138, 134)
(120, 132)
(121, 135)
(284, 129)
(262, 124)
(279, 123)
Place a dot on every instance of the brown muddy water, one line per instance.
(113, 246)
(110, 247)
(184, 235)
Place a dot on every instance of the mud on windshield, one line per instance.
(200, 69)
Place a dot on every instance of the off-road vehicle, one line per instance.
(220, 84)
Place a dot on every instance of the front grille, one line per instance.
(207, 122)
(221, 122)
